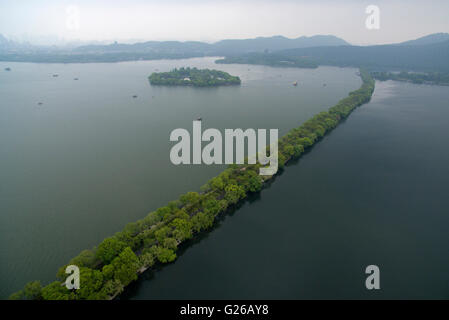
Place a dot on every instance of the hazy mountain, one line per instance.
(219, 48)
(429, 39)
(430, 53)
(149, 46)
(431, 57)
(275, 43)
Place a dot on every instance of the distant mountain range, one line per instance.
(416, 56)
(426, 53)
(429, 53)
(429, 39)
(223, 47)
(12, 51)
(275, 43)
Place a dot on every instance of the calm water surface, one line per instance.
(375, 191)
(91, 158)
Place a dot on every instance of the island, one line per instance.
(270, 59)
(193, 77)
(438, 78)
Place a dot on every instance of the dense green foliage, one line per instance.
(273, 59)
(414, 77)
(32, 291)
(193, 77)
(107, 269)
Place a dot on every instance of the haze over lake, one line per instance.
(91, 158)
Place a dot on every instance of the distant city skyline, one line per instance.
(57, 22)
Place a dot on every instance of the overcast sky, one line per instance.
(211, 20)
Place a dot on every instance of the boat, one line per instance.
(75, 78)
(55, 75)
(295, 83)
(40, 103)
(324, 84)
(7, 69)
(135, 96)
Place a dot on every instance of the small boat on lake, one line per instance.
(55, 75)
(135, 96)
(7, 69)
(75, 78)
(295, 83)
(39, 103)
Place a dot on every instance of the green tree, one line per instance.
(190, 198)
(162, 212)
(202, 221)
(125, 266)
(86, 258)
(146, 260)
(182, 229)
(170, 243)
(233, 193)
(32, 291)
(161, 234)
(254, 181)
(56, 291)
(212, 206)
(112, 287)
(108, 271)
(109, 249)
(91, 282)
(216, 183)
(165, 255)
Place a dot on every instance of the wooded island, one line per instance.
(272, 59)
(193, 77)
(438, 78)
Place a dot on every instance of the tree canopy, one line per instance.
(193, 77)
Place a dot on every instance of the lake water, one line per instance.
(373, 192)
(92, 158)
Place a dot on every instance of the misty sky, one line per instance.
(211, 20)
